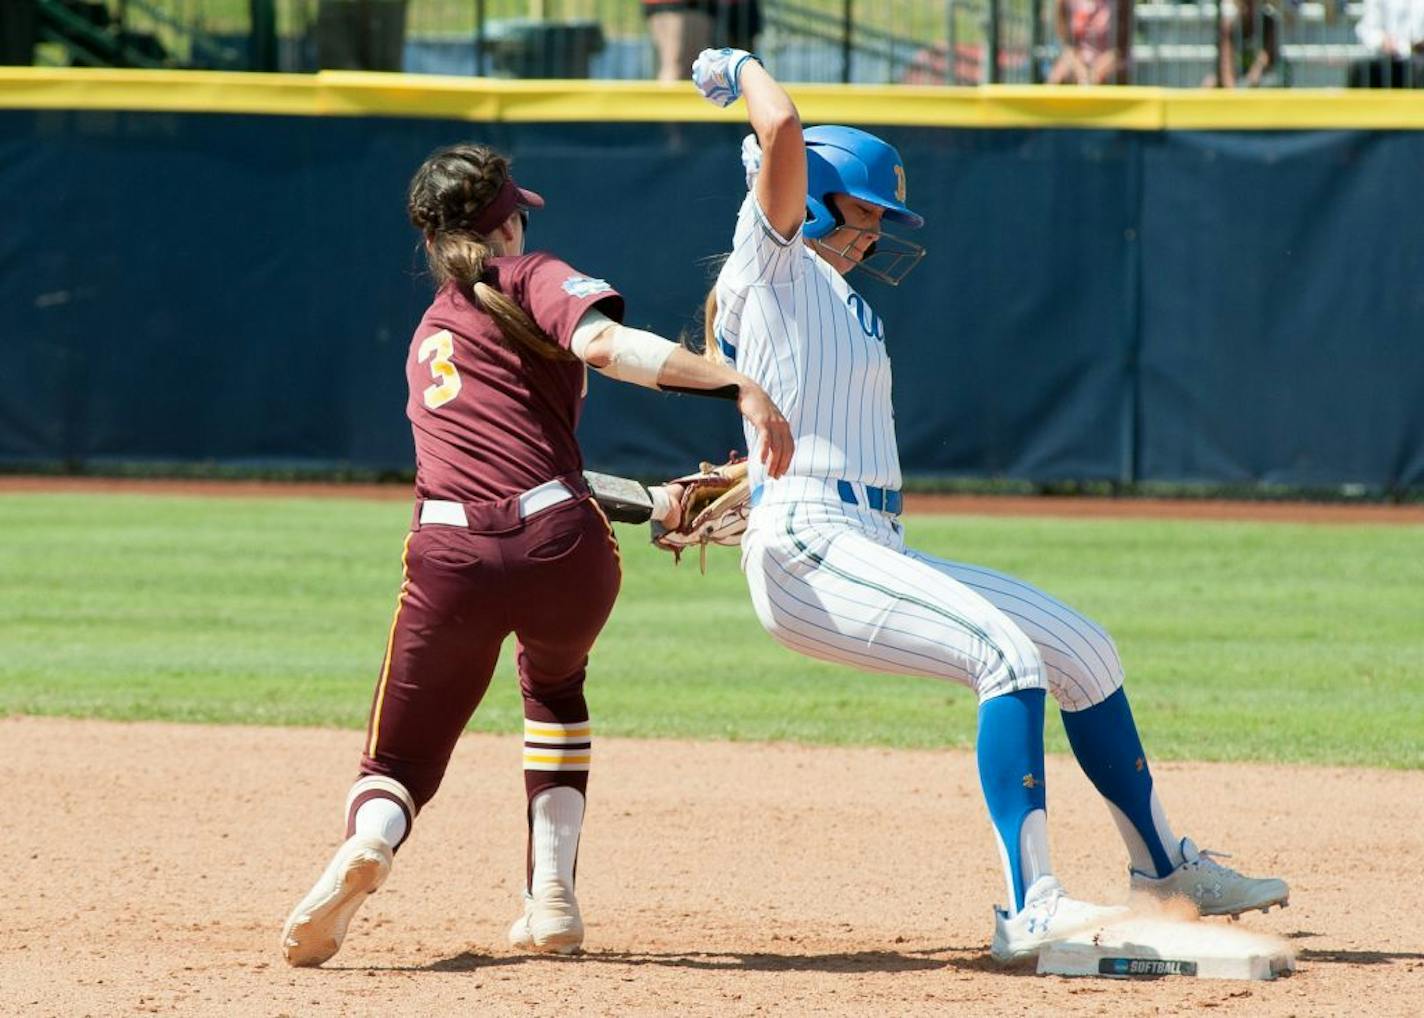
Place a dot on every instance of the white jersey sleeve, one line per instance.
(761, 261)
(761, 256)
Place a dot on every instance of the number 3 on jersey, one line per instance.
(438, 349)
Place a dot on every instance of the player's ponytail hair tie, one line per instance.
(466, 188)
(457, 198)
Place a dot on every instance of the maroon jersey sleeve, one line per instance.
(555, 294)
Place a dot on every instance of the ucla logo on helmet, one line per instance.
(585, 286)
(900, 191)
(870, 322)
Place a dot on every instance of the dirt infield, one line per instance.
(983, 505)
(150, 866)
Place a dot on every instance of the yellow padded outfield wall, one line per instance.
(364, 94)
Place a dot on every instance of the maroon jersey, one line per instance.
(491, 420)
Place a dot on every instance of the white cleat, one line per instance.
(1048, 915)
(1213, 888)
(317, 926)
(551, 923)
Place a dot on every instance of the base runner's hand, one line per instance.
(776, 445)
(715, 73)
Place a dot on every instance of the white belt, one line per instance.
(452, 514)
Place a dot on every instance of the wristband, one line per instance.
(737, 72)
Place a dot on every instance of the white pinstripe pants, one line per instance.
(836, 582)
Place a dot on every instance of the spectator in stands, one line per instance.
(1394, 29)
(681, 29)
(1249, 48)
(360, 35)
(1086, 29)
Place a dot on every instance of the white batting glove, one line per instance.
(751, 159)
(715, 73)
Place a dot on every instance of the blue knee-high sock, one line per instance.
(1104, 739)
(1010, 750)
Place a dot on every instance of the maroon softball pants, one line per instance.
(549, 579)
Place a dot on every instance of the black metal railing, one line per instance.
(1230, 43)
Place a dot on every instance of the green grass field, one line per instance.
(1242, 641)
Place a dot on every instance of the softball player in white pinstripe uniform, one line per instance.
(824, 552)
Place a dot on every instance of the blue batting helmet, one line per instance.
(844, 160)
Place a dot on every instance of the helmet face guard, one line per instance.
(844, 160)
(888, 258)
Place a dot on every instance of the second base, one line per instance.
(1151, 948)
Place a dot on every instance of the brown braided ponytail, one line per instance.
(447, 194)
(710, 349)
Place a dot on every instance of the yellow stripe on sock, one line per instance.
(531, 732)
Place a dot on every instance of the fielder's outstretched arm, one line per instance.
(643, 358)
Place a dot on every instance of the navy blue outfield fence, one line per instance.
(1098, 305)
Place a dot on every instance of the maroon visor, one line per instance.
(511, 196)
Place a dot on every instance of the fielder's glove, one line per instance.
(715, 73)
(715, 504)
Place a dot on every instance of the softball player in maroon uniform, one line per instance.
(506, 538)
